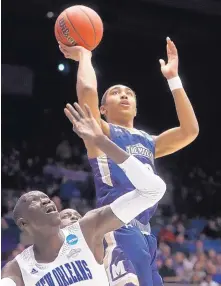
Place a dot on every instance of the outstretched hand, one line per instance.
(170, 69)
(84, 124)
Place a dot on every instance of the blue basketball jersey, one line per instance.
(110, 181)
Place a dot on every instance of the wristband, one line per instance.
(175, 83)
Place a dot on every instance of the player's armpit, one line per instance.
(12, 271)
(172, 140)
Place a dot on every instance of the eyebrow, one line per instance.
(113, 88)
(118, 87)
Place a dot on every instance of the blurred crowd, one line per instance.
(65, 177)
(187, 252)
(189, 242)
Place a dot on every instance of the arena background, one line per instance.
(40, 151)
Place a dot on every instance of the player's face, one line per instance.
(68, 217)
(40, 215)
(120, 102)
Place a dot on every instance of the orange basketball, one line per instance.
(79, 25)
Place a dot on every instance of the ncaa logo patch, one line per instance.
(72, 239)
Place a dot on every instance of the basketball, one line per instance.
(79, 25)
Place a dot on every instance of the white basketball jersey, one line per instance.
(74, 265)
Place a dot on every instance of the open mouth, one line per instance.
(124, 103)
(51, 209)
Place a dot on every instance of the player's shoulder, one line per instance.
(10, 265)
(11, 269)
(148, 135)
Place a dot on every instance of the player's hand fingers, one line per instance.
(64, 47)
(63, 50)
(162, 62)
(88, 111)
(171, 48)
(79, 110)
(75, 129)
(73, 112)
(69, 116)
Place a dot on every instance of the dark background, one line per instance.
(134, 40)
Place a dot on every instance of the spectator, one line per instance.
(209, 281)
(64, 151)
(218, 265)
(164, 251)
(167, 272)
(212, 255)
(199, 272)
(182, 266)
(212, 229)
(179, 245)
(166, 234)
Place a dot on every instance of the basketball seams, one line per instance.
(92, 24)
(66, 14)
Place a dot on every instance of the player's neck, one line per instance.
(46, 248)
(123, 123)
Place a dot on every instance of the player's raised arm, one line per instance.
(11, 275)
(176, 138)
(86, 80)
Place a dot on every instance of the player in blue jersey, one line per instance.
(130, 251)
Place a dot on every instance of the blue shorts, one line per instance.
(130, 258)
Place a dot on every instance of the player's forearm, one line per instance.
(186, 115)
(86, 77)
(87, 85)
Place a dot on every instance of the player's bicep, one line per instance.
(171, 141)
(12, 271)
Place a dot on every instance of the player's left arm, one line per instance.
(176, 138)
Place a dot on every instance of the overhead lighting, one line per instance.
(50, 14)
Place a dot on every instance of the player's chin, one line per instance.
(126, 111)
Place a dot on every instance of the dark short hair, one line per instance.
(17, 211)
(104, 97)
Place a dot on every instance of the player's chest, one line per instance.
(69, 271)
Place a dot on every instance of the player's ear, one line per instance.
(103, 111)
(22, 224)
